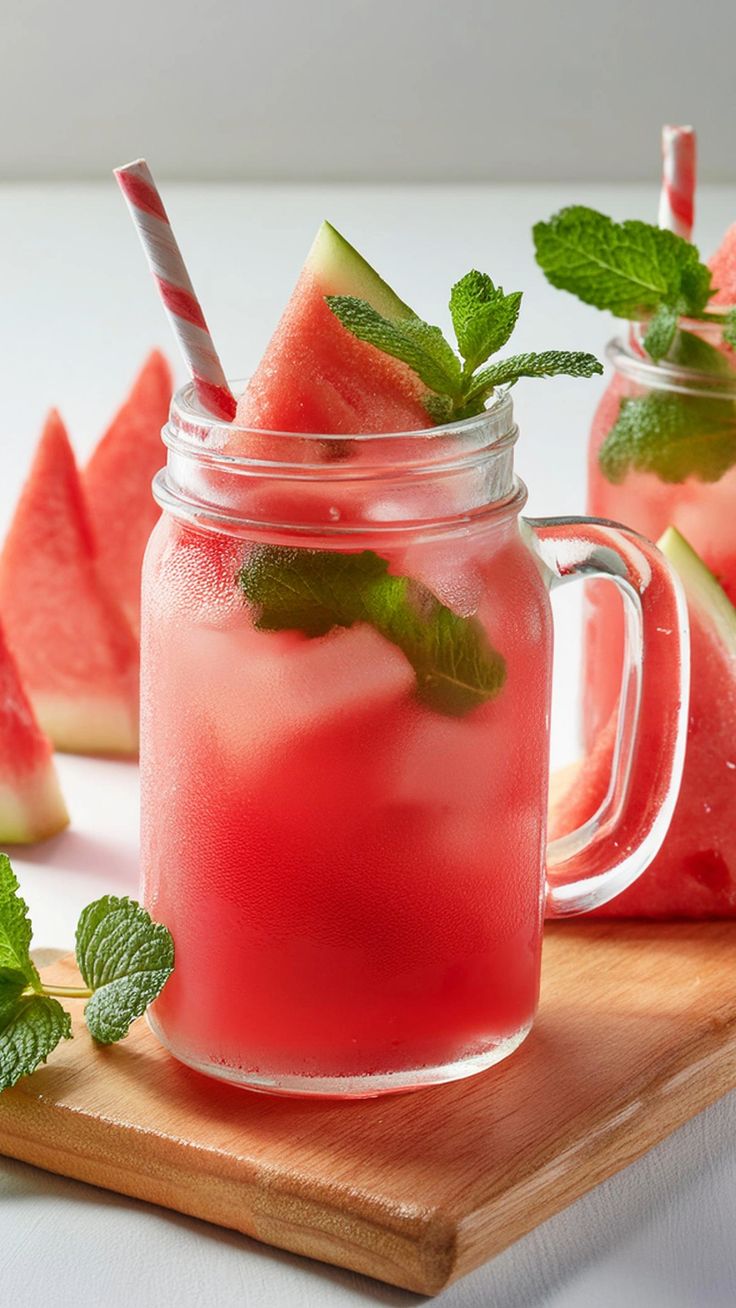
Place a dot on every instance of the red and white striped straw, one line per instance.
(677, 197)
(175, 288)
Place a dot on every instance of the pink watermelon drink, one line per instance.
(346, 657)
(355, 821)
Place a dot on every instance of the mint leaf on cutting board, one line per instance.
(314, 591)
(31, 1024)
(126, 959)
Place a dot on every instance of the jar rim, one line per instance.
(668, 376)
(194, 432)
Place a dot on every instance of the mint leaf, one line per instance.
(15, 929)
(414, 342)
(630, 268)
(314, 591)
(550, 363)
(31, 1026)
(696, 287)
(125, 958)
(440, 408)
(661, 332)
(729, 331)
(691, 351)
(672, 436)
(483, 317)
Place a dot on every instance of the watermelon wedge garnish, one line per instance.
(694, 874)
(315, 376)
(117, 482)
(31, 803)
(77, 654)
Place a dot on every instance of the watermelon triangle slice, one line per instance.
(315, 376)
(117, 482)
(694, 874)
(31, 803)
(77, 654)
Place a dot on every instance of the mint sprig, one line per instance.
(647, 274)
(483, 317)
(314, 591)
(125, 959)
(630, 268)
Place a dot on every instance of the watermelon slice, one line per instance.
(315, 376)
(117, 482)
(31, 804)
(723, 267)
(694, 874)
(77, 654)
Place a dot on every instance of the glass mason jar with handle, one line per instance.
(346, 666)
(662, 454)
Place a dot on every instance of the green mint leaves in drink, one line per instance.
(483, 318)
(125, 960)
(672, 436)
(315, 591)
(647, 274)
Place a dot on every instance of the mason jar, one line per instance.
(683, 475)
(346, 672)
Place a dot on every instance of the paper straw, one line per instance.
(175, 288)
(677, 197)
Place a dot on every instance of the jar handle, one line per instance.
(592, 864)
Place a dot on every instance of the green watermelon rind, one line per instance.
(341, 270)
(32, 808)
(702, 588)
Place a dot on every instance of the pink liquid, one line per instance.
(352, 879)
(705, 514)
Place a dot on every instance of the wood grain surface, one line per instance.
(636, 1033)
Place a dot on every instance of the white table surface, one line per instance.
(78, 314)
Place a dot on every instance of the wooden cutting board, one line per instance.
(636, 1033)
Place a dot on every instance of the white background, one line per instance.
(363, 89)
